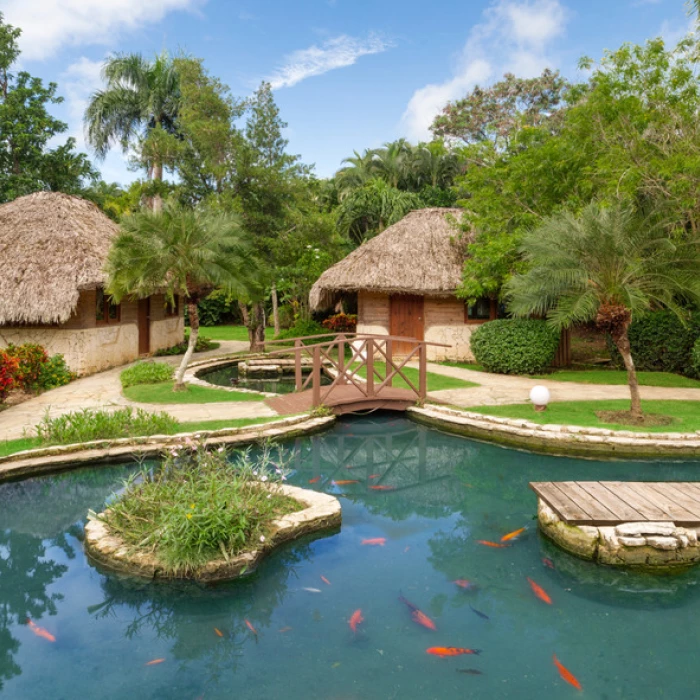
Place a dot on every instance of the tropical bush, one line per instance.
(54, 373)
(515, 346)
(217, 309)
(201, 505)
(146, 373)
(86, 425)
(341, 323)
(31, 358)
(29, 367)
(9, 367)
(695, 358)
(302, 328)
(203, 344)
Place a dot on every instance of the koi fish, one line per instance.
(325, 580)
(285, 629)
(445, 652)
(382, 487)
(375, 541)
(566, 674)
(345, 482)
(548, 563)
(355, 619)
(539, 591)
(251, 628)
(464, 583)
(406, 548)
(513, 535)
(479, 613)
(41, 632)
(311, 590)
(374, 476)
(218, 632)
(315, 480)
(418, 616)
(497, 545)
(471, 671)
(155, 662)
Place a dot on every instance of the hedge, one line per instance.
(515, 346)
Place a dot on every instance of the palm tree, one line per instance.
(138, 108)
(356, 172)
(434, 165)
(606, 265)
(184, 252)
(392, 161)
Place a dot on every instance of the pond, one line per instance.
(622, 635)
(228, 376)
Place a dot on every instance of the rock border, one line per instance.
(566, 440)
(193, 371)
(56, 458)
(321, 514)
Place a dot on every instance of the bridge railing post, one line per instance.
(369, 348)
(422, 373)
(297, 364)
(389, 364)
(341, 359)
(316, 379)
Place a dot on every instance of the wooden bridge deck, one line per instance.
(613, 502)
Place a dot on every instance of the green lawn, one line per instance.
(619, 378)
(9, 447)
(463, 365)
(685, 414)
(436, 382)
(163, 393)
(225, 332)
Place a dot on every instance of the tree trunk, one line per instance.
(275, 310)
(256, 329)
(245, 316)
(157, 201)
(193, 313)
(622, 342)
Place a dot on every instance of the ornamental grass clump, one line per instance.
(201, 505)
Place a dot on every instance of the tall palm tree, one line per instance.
(606, 265)
(434, 165)
(184, 252)
(140, 100)
(392, 162)
(355, 173)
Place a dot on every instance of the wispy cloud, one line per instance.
(513, 36)
(335, 53)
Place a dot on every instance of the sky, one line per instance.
(347, 74)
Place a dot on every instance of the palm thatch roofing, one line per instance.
(53, 245)
(421, 254)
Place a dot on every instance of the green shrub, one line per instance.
(515, 346)
(661, 343)
(302, 328)
(54, 373)
(695, 358)
(146, 373)
(203, 344)
(217, 309)
(86, 425)
(199, 506)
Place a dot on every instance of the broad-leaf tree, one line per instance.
(185, 252)
(607, 265)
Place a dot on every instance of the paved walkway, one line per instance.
(103, 390)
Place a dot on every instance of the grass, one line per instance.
(163, 393)
(619, 378)
(9, 447)
(200, 507)
(436, 382)
(685, 415)
(225, 332)
(146, 373)
(463, 365)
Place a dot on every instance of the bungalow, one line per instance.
(53, 249)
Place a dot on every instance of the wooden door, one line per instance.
(406, 314)
(144, 323)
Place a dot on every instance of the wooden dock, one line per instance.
(609, 503)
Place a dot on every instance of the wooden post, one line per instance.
(422, 373)
(341, 359)
(389, 364)
(297, 365)
(316, 379)
(369, 348)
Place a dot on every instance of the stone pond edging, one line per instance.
(55, 458)
(196, 368)
(322, 513)
(558, 439)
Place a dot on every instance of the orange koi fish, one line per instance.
(382, 487)
(345, 482)
(497, 545)
(315, 480)
(539, 591)
(374, 476)
(464, 583)
(406, 548)
(285, 629)
(251, 628)
(548, 563)
(218, 632)
(566, 674)
(375, 541)
(444, 652)
(355, 620)
(41, 632)
(513, 535)
(418, 616)
(155, 662)
(325, 580)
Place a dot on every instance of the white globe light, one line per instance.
(539, 395)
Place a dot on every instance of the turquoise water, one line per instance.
(228, 376)
(621, 635)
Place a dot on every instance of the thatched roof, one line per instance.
(52, 245)
(417, 255)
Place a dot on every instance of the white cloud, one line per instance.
(49, 25)
(513, 36)
(335, 53)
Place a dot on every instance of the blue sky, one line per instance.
(348, 74)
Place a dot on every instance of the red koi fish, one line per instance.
(325, 580)
(315, 480)
(464, 583)
(374, 476)
(496, 545)
(382, 487)
(285, 629)
(345, 482)
(251, 628)
(539, 591)
(355, 619)
(445, 652)
(566, 674)
(513, 535)
(41, 632)
(548, 563)
(155, 662)
(218, 632)
(375, 541)
(418, 616)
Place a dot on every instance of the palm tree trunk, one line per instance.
(158, 177)
(193, 313)
(622, 343)
(275, 310)
(256, 329)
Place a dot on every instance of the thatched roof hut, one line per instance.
(418, 255)
(54, 245)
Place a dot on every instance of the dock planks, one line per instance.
(610, 503)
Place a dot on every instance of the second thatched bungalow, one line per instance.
(53, 249)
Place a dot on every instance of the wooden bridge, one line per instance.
(355, 363)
